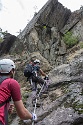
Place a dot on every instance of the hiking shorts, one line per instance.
(35, 81)
(38, 79)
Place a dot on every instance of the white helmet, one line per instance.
(37, 61)
(6, 65)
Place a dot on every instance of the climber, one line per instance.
(10, 88)
(36, 78)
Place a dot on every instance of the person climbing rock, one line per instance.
(10, 88)
(36, 78)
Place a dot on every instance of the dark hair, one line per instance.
(5, 74)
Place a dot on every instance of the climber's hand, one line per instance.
(34, 117)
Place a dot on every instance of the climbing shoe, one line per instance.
(38, 103)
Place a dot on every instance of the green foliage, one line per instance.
(44, 27)
(81, 44)
(70, 40)
(2, 34)
(1, 39)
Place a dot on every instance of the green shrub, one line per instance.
(70, 40)
(2, 34)
(81, 44)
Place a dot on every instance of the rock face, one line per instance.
(42, 33)
(42, 39)
(45, 31)
(64, 102)
(52, 14)
(7, 43)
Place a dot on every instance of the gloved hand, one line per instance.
(46, 77)
(34, 117)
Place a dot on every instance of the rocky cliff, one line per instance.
(44, 32)
(42, 38)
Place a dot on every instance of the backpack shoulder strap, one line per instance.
(3, 103)
(1, 80)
